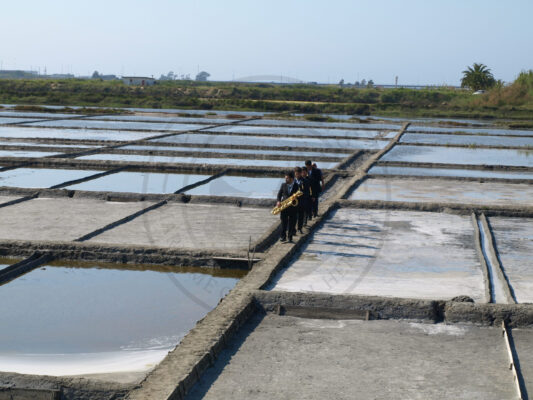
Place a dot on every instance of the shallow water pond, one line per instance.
(309, 132)
(139, 182)
(9, 143)
(444, 191)
(467, 173)
(463, 156)
(473, 131)
(307, 154)
(41, 177)
(80, 134)
(443, 139)
(118, 125)
(240, 186)
(319, 143)
(67, 319)
(199, 160)
(162, 120)
(24, 153)
(347, 125)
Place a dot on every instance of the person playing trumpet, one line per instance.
(289, 215)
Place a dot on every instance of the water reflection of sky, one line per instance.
(455, 155)
(471, 173)
(63, 310)
(41, 178)
(240, 186)
(199, 160)
(139, 182)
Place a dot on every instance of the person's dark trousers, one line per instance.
(308, 209)
(314, 206)
(301, 214)
(288, 222)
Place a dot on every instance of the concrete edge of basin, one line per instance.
(451, 208)
(109, 253)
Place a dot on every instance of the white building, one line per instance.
(138, 80)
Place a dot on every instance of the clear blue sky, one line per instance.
(421, 41)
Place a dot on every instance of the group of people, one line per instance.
(309, 180)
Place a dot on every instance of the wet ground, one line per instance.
(450, 172)
(139, 182)
(514, 242)
(460, 156)
(288, 357)
(200, 160)
(317, 143)
(41, 178)
(193, 226)
(444, 191)
(61, 218)
(388, 253)
(469, 140)
(240, 186)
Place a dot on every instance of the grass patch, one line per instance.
(521, 125)
(512, 102)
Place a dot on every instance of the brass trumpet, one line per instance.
(291, 201)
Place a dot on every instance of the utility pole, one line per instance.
(396, 81)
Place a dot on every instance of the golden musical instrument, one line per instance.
(291, 201)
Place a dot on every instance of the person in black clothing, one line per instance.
(306, 198)
(289, 215)
(305, 187)
(317, 184)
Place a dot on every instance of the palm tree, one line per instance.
(478, 77)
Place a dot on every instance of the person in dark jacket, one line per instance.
(305, 187)
(306, 198)
(289, 215)
(317, 184)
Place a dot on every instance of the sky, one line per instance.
(420, 41)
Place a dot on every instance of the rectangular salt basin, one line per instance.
(202, 112)
(72, 319)
(460, 156)
(139, 182)
(466, 173)
(164, 120)
(309, 132)
(472, 131)
(24, 153)
(389, 253)
(193, 226)
(118, 125)
(275, 142)
(443, 139)
(307, 154)
(240, 186)
(41, 178)
(444, 191)
(347, 125)
(32, 115)
(62, 218)
(514, 244)
(15, 120)
(79, 134)
(286, 357)
(35, 144)
(199, 160)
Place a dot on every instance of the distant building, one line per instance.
(138, 80)
(107, 77)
